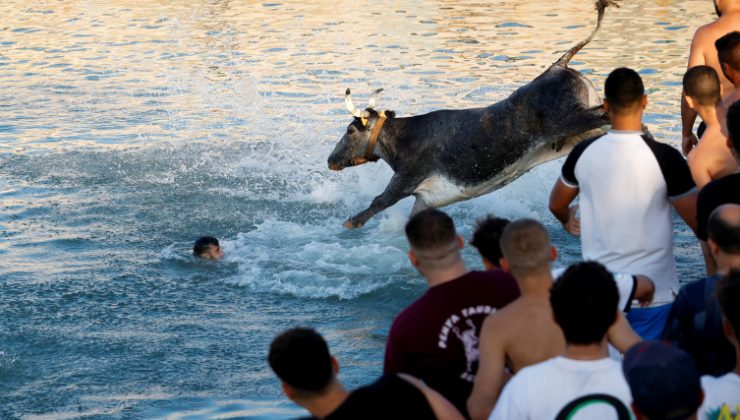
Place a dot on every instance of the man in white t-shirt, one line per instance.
(722, 395)
(627, 184)
(583, 382)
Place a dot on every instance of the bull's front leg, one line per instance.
(397, 189)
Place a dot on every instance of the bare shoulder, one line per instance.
(500, 321)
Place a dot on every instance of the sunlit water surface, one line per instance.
(129, 128)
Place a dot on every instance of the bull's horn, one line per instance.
(371, 103)
(350, 106)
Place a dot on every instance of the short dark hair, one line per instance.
(300, 358)
(728, 49)
(701, 83)
(487, 236)
(728, 295)
(201, 245)
(733, 125)
(585, 301)
(526, 246)
(430, 229)
(623, 89)
(725, 233)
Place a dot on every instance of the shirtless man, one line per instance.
(711, 159)
(728, 50)
(524, 332)
(703, 52)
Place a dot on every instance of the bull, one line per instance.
(447, 156)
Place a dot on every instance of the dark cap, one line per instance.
(663, 379)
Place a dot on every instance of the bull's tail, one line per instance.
(601, 5)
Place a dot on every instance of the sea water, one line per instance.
(130, 128)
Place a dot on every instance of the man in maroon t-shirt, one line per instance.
(436, 337)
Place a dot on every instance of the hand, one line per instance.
(688, 143)
(573, 225)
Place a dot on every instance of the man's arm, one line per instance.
(621, 335)
(688, 115)
(560, 198)
(685, 206)
(490, 376)
(644, 290)
(442, 408)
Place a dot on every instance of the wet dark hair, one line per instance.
(701, 83)
(725, 233)
(623, 89)
(300, 358)
(733, 125)
(201, 245)
(728, 49)
(487, 236)
(584, 301)
(430, 229)
(728, 295)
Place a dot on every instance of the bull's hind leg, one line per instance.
(419, 205)
(397, 189)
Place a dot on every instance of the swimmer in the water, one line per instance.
(207, 247)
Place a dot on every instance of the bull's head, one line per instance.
(356, 146)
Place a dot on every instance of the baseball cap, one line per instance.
(663, 379)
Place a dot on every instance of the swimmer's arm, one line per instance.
(644, 290)
(443, 409)
(490, 376)
(621, 335)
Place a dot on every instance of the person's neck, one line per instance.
(626, 122)
(327, 403)
(708, 114)
(594, 351)
(726, 263)
(535, 284)
(439, 276)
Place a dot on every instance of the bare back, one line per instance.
(543, 338)
(712, 158)
(703, 51)
(521, 334)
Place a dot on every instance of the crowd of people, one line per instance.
(614, 336)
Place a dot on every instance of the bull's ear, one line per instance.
(390, 114)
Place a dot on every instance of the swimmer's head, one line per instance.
(701, 86)
(207, 247)
(624, 92)
(486, 239)
(728, 52)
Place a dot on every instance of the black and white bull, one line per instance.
(451, 155)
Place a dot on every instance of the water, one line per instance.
(127, 129)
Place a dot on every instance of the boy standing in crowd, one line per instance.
(584, 305)
(436, 337)
(627, 184)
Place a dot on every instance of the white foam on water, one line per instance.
(312, 261)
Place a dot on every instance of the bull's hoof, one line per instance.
(349, 224)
